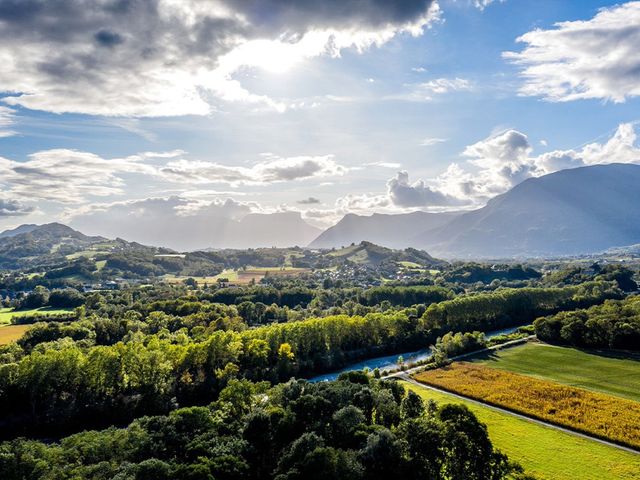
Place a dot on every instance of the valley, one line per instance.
(113, 332)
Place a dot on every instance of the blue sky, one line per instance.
(357, 113)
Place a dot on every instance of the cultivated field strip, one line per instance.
(596, 414)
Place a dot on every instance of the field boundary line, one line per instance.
(404, 376)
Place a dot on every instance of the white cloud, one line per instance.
(445, 85)
(426, 91)
(418, 194)
(482, 4)
(69, 176)
(176, 57)
(430, 141)
(393, 165)
(6, 122)
(493, 166)
(502, 161)
(597, 58)
(275, 169)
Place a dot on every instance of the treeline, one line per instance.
(57, 298)
(480, 272)
(614, 324)
(511, 307)
(67, 384)
(118, 369)
(355, 428)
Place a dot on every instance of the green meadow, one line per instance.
(614, 374)
(546, 452)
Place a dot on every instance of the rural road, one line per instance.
(407, 378)
(512, 343)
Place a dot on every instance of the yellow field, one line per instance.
(10, 333)
(597, 414)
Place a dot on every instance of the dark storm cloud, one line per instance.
(107, 38)
(303, 14)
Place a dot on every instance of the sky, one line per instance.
(111, 110)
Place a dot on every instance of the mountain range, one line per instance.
(570, 212)
(393, 231)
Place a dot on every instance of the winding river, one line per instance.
(391, 361)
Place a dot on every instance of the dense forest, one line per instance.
(353, 428)
(614, 324)
(110, 368)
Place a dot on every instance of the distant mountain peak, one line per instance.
(389, 230)
(574, 211)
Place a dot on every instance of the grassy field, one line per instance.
(7, 313)
(547, 453)
(243, 277)
(597, 414)
(606, 374)
(10, 333)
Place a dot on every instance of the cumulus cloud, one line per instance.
(418, 194)
(6, 122)
(162, 221)
(170, 57)
(597, 58)
(493, 166)
(275, 169)
(504, 160)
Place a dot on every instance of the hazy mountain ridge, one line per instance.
(29, 245)
(570, 212)
(393, 231)
(575, 211)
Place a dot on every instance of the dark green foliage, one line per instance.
(295, 431)
(615, 324)
(476, 272)
(406, 296)
(104, 370)
(508, 307)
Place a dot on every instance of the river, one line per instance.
(391, 361)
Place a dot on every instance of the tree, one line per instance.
(412, 405)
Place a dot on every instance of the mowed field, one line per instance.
(7, 313)
(545, 452)
(617, 376)
(605, 416)
(10, 333)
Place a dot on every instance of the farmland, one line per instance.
(7, 313)
(545, 452)
(607, 374)
(589, 412)
(241, 276)
(10, 333)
